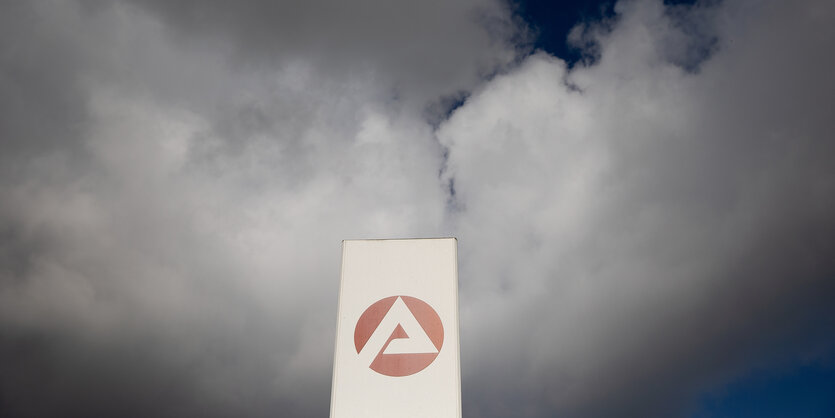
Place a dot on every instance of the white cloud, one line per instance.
(636, 222)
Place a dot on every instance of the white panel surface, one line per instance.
(404, 296)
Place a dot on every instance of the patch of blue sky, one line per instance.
(806, 391)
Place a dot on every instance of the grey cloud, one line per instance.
(40, 110)
(182, 264)
(177, 178)
(416, 51)
(669, 229)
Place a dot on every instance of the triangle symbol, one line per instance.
(408, 335)
(399, 332)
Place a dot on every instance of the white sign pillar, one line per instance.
(397, 352)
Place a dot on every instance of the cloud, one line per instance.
(173, 249)
(176, 179)
(656, 229)
(417, 51)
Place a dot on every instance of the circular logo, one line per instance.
(399, 336)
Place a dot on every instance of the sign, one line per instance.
(397, 330)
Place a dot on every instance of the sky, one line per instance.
(642, 194)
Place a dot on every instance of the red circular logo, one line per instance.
(403, 334)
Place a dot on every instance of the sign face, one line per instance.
(397, 330)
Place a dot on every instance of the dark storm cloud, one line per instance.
(39, 109)
(177, 177)
(416, 50)
(42, 119)
(162, 219)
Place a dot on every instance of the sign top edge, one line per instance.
(398, 239)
